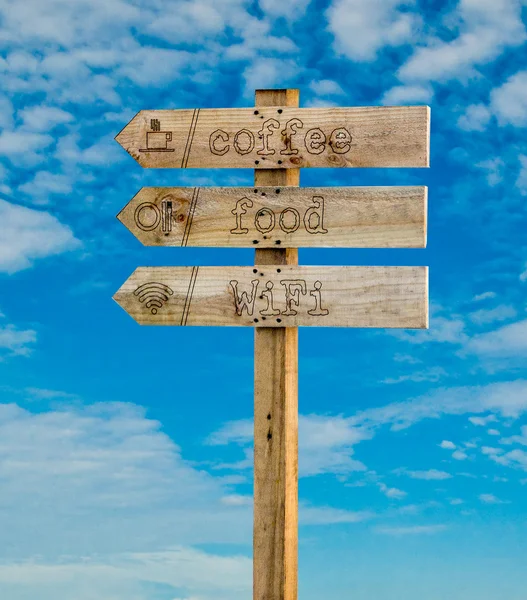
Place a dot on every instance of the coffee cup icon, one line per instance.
(157, 141)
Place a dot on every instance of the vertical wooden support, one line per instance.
(275, 537)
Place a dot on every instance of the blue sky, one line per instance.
(125, 451)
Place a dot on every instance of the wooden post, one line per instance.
(275, 537)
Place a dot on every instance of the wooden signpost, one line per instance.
(276, 296)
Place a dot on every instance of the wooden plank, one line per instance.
(278, 296)
(353, 217)
(279, 137)
(275, 531)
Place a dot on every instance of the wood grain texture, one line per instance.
(279, 137)
(266, 217)
(278, 296)
(275, 531)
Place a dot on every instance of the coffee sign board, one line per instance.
(279, 137)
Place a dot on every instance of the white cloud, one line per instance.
(447, 445)
(515, 458)
(406, 358)
(265, 73)
(484, 296)
(130, 576)
(237, 500)
(475, 118)
(494, 168)
(44, 118)
(392, 492)
(6, 112)
(411, 530)
(408, 94)
(490, 499)
(459, 455)
(19, 142)
(327, 443)
(521, 184)
(486, 29)
(100, 153)
(507, 398)
(517, 439)
(293, 9)
(482, 421)
(27, 235)
(493, 432)
(326, 515)
(326, 87)
(45, 183)
(238, 432)
(507, 341)
(430, 374)
(155, 66)
(16, 342)
(363, 27)
(81, 22)
(80, 52)
(44, 394)
(190, 18)
(509, 102)
(492, 315)
(489, 451)
(430, 475)
(449, 330)
(118, 470)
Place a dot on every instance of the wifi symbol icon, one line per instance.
(153, 295)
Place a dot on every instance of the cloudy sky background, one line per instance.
(125, 452)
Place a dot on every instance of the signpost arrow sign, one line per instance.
(279, 137)
(278, 296)
(271, 217)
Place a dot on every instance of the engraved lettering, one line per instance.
(243, 300)
(292, 227)
(238, 211)
(314, 217)
(290, 130)
(269, 310)
(265, 133)
(315, 141)
(257, 220)
(221, 135)
(244, 142)
(340, 141)
(318, 311)
(293, 289)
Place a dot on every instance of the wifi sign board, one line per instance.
(278, 296)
